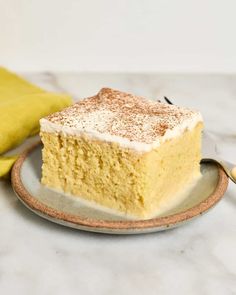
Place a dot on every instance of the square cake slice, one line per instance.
(121, 151)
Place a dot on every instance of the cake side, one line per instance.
(95, 170)
(173, 168)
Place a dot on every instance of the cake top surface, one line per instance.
(123, 115)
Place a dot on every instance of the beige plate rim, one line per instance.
(108, 225)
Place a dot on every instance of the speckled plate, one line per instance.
(72, 212)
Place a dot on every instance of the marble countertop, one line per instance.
(39, 257)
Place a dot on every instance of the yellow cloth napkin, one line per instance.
(21, 106)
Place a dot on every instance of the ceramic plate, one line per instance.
(72, 212)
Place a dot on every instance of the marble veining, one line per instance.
(38, 257)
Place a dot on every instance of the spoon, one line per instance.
(209, 153)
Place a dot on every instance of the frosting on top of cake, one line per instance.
(114, 116)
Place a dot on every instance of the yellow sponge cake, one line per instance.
(121, 151)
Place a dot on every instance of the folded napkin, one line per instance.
(22, 104)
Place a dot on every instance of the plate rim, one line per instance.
(158, 222)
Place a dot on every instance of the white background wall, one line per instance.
(118, 35)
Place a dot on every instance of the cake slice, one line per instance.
(121, 151)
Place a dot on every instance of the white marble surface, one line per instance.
(38, 257)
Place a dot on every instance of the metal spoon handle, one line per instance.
(229, 168)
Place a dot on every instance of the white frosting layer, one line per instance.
(187, 124)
